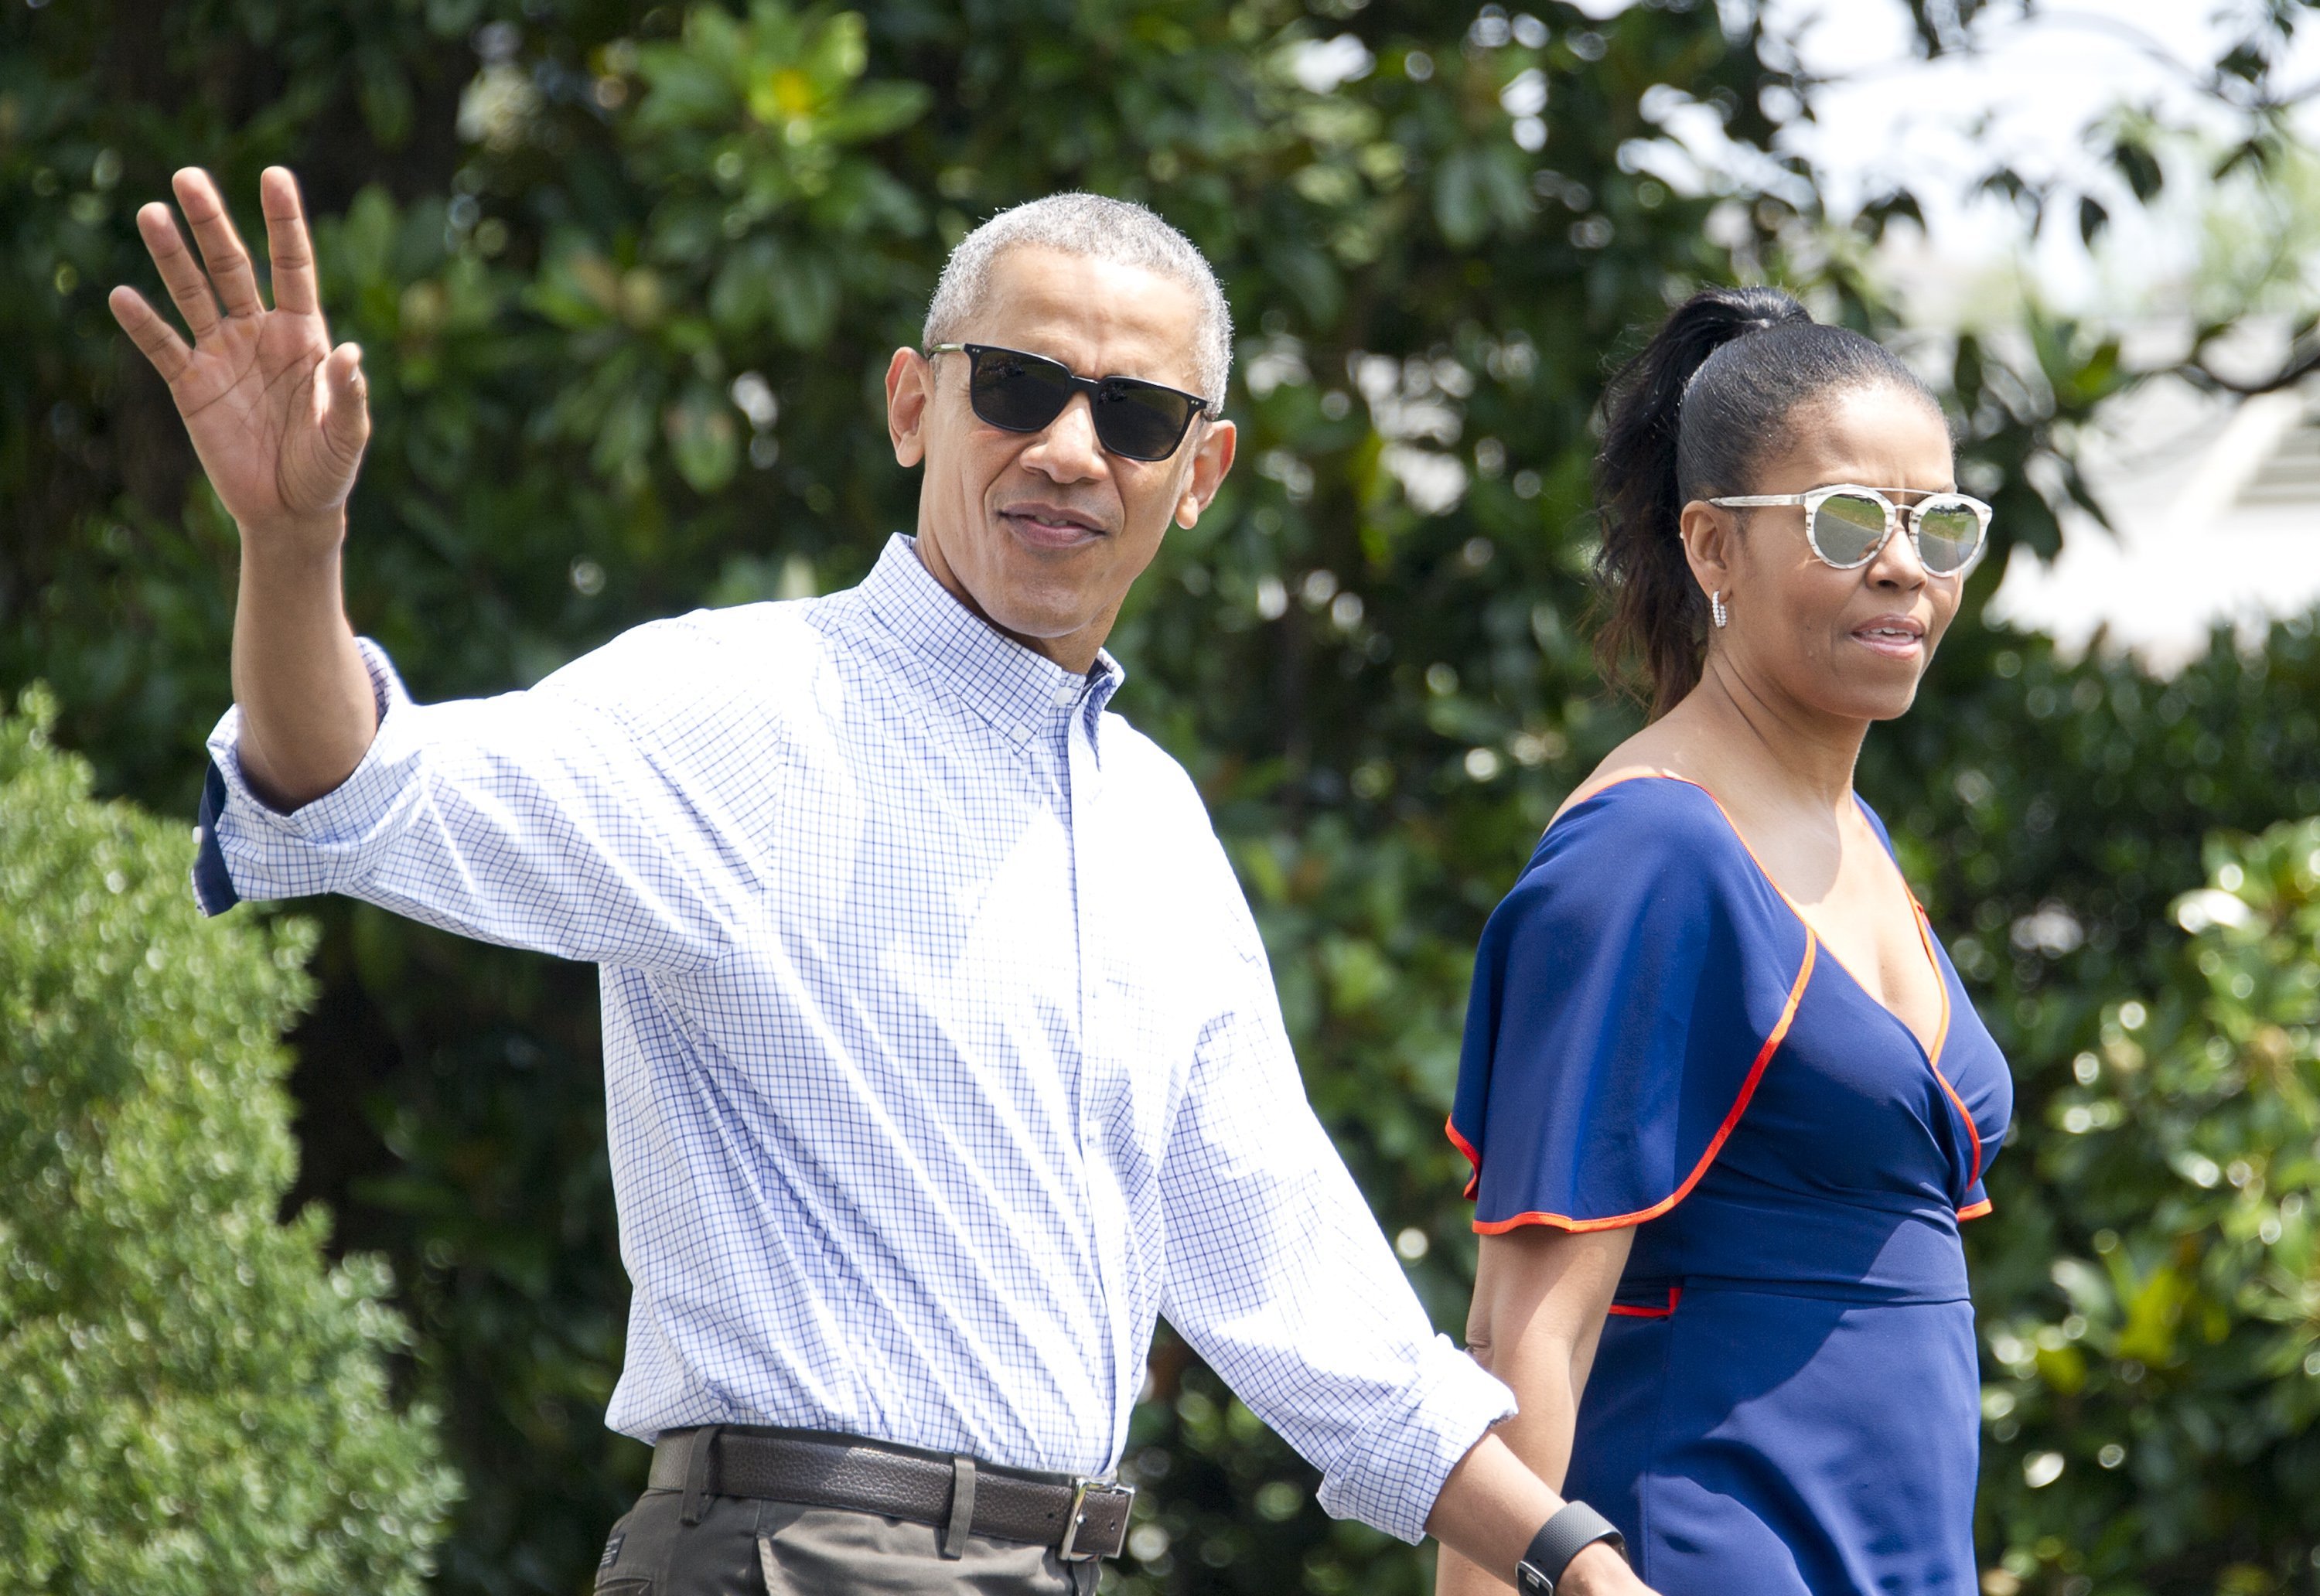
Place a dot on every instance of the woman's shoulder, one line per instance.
(1640, 846)
(1641, 816)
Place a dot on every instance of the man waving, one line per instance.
(941, 1051)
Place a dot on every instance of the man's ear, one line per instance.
(1212, 457)
(910, 396)
(1710, 537)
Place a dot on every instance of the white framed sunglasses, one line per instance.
(1846, 524)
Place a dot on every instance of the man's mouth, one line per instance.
(1050, 526)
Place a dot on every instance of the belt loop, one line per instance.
(696, 1473)
(962, 1508)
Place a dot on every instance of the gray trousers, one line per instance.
(746, 1548)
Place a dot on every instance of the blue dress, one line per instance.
(1786, 1398)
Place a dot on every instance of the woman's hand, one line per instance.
(1599, 1571)
(1540, 1296)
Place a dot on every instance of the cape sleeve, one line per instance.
(1627, 995)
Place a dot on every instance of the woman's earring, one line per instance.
(1715, 610)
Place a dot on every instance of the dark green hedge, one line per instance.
(196, 1403)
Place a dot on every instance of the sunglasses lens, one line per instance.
(1024, 392)
(1141, 421)
(1949, 535)
(1848, 528)
(1018, 393)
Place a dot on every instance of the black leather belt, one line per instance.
(1080, 1518)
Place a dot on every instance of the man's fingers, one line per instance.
(148, 332)
(189, 290)
(230, 273)
(346, 412)
(288, 244)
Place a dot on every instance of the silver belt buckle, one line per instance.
(1069, 1552)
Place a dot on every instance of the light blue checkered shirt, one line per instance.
(940, 1050)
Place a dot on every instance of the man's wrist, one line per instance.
(1571, 1531)
(292, 542)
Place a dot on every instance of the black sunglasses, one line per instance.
(1020, 393)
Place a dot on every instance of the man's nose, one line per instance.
(1067, 449)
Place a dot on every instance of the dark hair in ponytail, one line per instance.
(1688, 417)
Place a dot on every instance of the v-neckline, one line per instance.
(1813, 938)
(1932, 1055)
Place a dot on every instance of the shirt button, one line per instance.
(1065, 697)
(1020, 732)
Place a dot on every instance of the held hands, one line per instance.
(1599, 1571)
(1486, 1516)
(276, 415)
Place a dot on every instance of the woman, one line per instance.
(1726, 1099)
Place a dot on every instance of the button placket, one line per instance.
(1084, 798)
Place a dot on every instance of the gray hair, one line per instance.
(1118, 232)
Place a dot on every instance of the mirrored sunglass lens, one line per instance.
(1139, 420)
(1948, 534)
(1847, 527)
(1017, 393)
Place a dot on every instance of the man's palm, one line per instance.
(275, 414)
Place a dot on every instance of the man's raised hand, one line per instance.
(276, 415)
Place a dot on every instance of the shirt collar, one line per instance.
(1005, 683)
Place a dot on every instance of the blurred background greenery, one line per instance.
(626, 279)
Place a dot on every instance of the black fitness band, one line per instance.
(1570, 1532)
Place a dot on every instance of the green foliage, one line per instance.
(2238, 173)
(196, 1404)
(626, 281)
(2182, 1376)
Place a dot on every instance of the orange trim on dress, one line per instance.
(1973, 1133)
(1637, 1311)
(1715, 1144)
(1473, 1180)
(1974, 1211)
(1924, 937)
(1925, 933)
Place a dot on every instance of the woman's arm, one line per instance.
(1540, 1296)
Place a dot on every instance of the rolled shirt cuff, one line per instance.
(246, 849)
(1409, 1446)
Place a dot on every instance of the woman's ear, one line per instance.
(1711, 536)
